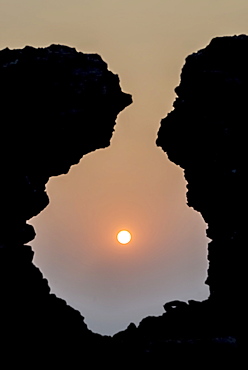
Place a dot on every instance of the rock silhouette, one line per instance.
(204, 135)
(57, 105)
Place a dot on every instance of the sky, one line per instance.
(131, 184)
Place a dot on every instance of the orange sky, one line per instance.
(131, 184)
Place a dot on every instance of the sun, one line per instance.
(124, 236)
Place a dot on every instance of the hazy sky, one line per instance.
(131, 184)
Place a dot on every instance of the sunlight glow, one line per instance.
(124, 236)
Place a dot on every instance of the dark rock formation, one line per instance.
(56, 105)
(205, 135)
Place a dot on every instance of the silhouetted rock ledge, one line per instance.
(205, 135)
(57, 105)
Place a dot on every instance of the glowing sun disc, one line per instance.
(124, 236)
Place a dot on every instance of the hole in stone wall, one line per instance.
(76, 247)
